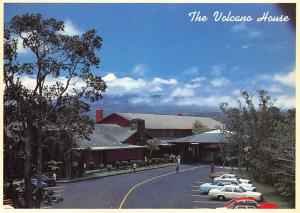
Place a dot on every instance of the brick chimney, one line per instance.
(99, 115)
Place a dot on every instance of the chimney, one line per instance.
(99, 115)
(139, 126)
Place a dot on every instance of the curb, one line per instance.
(90, 178)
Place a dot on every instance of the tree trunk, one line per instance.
(27, 171)
(39, 165)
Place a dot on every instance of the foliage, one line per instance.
(48, 114)
(199, 127)
(109, 167)
(152, 145)
(264, 139)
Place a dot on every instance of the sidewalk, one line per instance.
(99, 174)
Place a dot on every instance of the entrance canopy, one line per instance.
(215, 136)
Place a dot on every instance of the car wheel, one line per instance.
(221, 197)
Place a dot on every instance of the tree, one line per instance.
(199, 127)
(282, 154)
(48, 110)
(152, 144)
(252, 126)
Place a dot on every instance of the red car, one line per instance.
(248, 202)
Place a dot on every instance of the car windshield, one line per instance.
(214, 183)
(242, 189)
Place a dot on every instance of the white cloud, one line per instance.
(236, 92)
(191, 71)
(287, 79)
(286, 101)
(127, 85)
(246, 30)
(70, 29)
(141, 100)
(183, 92)
(140, 69)
(217, 69)
(227, 46)
(76, 82)
(198, 79)
(274, 89)
(246, 46)
(218, 82)
(211, 101)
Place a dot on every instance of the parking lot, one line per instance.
(158, 188)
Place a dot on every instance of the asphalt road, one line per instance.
(158, 188)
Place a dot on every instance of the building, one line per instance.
(201, 147)
(122, 136)
(161, 126)
(109, 143)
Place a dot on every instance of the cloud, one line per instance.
(127, 85)
(246, 46)
(70, 29)
(191, 71)
(218, 82)
(141, 100)
(227, 46)
(198, 79)
(246, 30)
(287, 79)
(210, 101)
(236, 92)
(217, 69)
(76, 82)
(275, 89)
(286, 101)
(183, 92)
(140, 69)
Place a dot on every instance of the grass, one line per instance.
(111, 173)
(268, 192)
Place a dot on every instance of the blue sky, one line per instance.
(154, 55)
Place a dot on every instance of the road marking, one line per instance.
(148, 180)
(194, 186)
(194, 190)
(55, 187)
(200, 182)
(199, 195)
(208, 201)
(59, 190)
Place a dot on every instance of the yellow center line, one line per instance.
(148, 180)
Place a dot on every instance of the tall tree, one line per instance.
(199, 127)
(47, 107)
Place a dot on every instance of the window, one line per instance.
(228, 189)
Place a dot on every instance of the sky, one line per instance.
(155, 59)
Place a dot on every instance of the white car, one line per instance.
(231, 177)
(233, 191)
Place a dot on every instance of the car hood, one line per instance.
(256, 194)
(205, 185)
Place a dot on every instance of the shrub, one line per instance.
(166, 156)
(117, 164)
(124, 163)
(109, 167)
(101, 165)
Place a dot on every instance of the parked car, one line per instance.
(233, 191)
(248, 202)
(232, 177)
(34, 182)
(216, 174)
(206, 187)
(247, 186)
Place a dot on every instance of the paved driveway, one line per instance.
(158, 188)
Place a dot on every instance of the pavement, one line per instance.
(159, 188)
